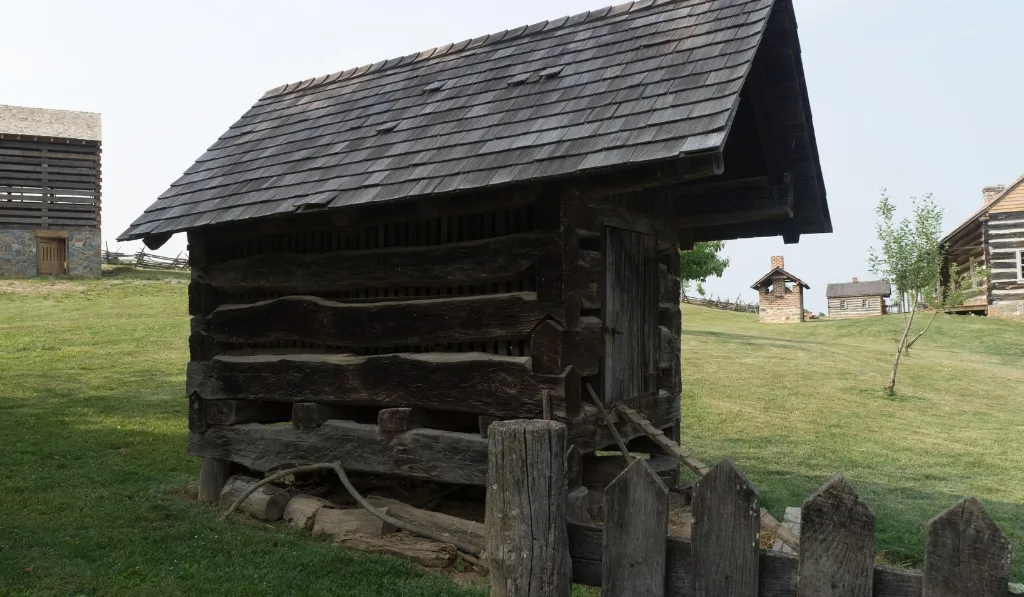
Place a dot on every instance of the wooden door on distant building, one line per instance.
(53, 256)
(630, 315)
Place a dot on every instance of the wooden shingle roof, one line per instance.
(632, 84)
(769, 279)
(866, 288)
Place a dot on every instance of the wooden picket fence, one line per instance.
(966, 554)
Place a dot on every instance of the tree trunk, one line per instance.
(918, 336)
(891, 388)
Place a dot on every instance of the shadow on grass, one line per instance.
(91, 493)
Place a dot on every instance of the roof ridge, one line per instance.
(476, 42)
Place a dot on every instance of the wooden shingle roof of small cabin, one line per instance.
(647, 82)
(769, 279)
(851, 289)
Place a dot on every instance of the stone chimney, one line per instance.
(989, 193)
(855, 280)
(778, 262)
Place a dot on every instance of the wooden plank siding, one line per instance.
(1013, 202)
(856, 306)
(49, 183)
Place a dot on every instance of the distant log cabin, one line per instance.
(857, 299)
(49, 192)
(780, 295)
(484, 231)
(993, 237)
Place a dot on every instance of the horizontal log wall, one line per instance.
(49, 184)
(466, 318)
(1004, 243)
(856, 306)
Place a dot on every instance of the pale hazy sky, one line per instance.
(914, 95)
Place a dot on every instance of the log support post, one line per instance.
(526, 534)
(213, 474)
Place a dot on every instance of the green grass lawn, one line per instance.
(93, 427)
(795, 404)
(93, 465)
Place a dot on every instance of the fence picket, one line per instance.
(965, 554)
(636, 517)
(726, 534)
(837, 543)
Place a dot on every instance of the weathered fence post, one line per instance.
(726, 534)
(527, 542)
(965, 554)
(635, 527)
(837, 543)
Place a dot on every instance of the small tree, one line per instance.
(911, 259)
(702, 262)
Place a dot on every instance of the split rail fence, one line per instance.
(145, 260)
(724, 305)
(535, 549)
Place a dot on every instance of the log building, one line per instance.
(49, 192)
(993, 237)
(848, 300)
(388, 259)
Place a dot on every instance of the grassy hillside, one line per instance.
(93, 425)
(794, 404)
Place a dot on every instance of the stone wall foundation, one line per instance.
(18, 253)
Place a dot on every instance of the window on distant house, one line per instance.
(842, 304)
(1020, 265)
(864, 303)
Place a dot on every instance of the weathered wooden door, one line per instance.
(630, 314)
(53, 256)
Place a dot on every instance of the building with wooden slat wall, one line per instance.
(857, 299)
(50, 181)
(389, 259)
(993, 237)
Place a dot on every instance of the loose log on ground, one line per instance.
(346, 523)
(450, 527)
(411, 322)
(443, 456)
(302, 509)
(526, 540)
(266, 503)
(449, 264)
(478, 383)
(425, 552)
